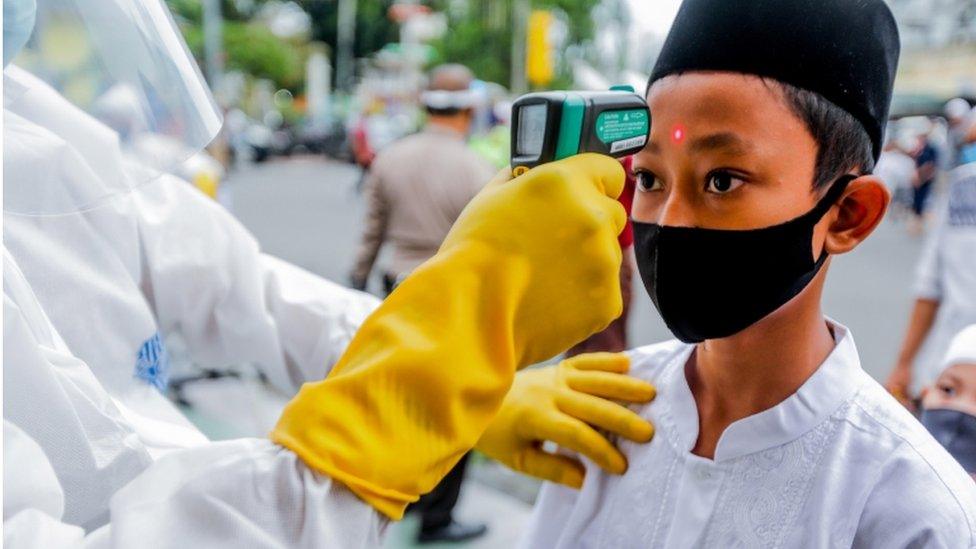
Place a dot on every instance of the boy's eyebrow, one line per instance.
(725, 140)
(729, 141)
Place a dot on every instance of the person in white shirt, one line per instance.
(945, 286)
(961, 118)
(767, 120)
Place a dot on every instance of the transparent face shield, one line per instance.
(122, 63)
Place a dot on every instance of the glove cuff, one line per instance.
(420, 382)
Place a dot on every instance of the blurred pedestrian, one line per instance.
(961, 116)
(495, 144)
(614, 337)
(967, 150)
(949, 404)
(896, 168)
(946, 284)
(927, 167)
(416, 189)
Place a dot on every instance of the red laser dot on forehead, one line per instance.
(678, 133)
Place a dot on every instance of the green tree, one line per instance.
(255, 50)
(373, 28)
(249, 47)
(487, 51)
(480, 34)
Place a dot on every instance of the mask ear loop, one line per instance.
(823, 206)
(833, 193)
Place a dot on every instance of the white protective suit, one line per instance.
(155, 259)
(61, 425)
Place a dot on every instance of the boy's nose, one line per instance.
(676, 211)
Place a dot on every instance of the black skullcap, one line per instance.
(844, 50)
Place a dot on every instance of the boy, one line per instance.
(767, 119)
(949, 404)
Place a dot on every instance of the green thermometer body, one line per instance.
(548, 126)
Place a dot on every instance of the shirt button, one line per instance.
(704, 474)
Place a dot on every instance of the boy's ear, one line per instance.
(860, 210)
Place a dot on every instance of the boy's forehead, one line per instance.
(693, 98)
(717, 82)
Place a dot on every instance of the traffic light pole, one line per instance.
(345, 38)
(521, 11)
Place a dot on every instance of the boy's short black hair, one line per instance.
(843, 144)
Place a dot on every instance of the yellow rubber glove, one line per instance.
(566, 404)
(530, 268)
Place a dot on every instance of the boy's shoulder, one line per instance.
(649, 361)
(920, 490)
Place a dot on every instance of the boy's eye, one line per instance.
(947, 390)
(647, 182)
(722, 182)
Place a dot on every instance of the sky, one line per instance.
(654, 15)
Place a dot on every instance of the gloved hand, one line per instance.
(563, 404)
(529, 268)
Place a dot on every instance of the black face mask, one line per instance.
(956, 431)
(713, 283)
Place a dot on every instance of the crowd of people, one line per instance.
(945, 287)
(919, 153)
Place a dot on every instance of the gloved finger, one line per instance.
(579, 437)
(607, 172)
(553, 467)
(611, 385)
(619, 216)
(606, 415)
(605, 362)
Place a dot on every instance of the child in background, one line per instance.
(949, 405)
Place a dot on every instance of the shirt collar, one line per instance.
(833, 384)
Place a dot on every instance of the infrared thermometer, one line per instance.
(548, 126)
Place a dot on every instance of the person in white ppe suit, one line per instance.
(160, 259)
(103, 253)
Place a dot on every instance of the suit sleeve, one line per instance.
(207, 279)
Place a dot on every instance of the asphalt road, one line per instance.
(306, 210)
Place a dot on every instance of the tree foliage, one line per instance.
(486, 51)
(373, 28)
(248, 47)
(480, 36)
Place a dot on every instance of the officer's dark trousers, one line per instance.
(435, 508)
